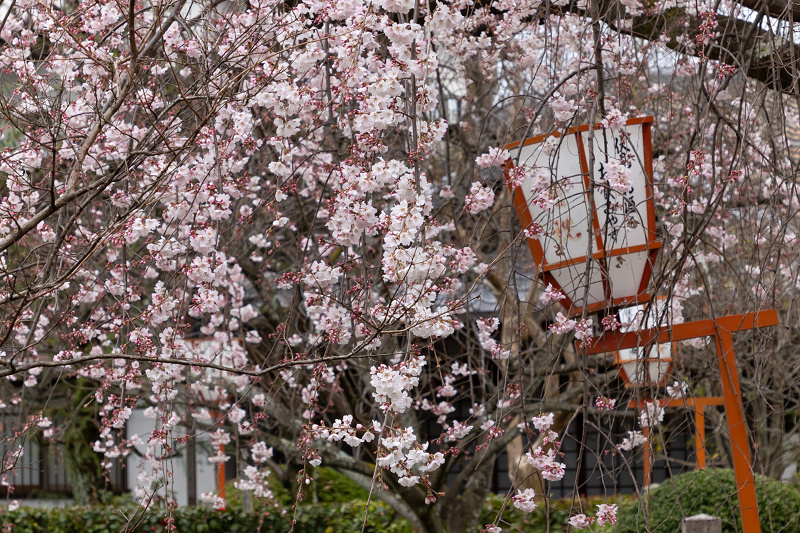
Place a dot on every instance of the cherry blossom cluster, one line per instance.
(343, 430)
(485, 329)
(652, 414)
(604, 403)
(257, 479)
(606, 514)
(633, 440)
(582, 328)
(393, 383)
(404, 456)
(550, 295)
(524, 500)
(543, 458)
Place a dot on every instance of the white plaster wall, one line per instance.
(178, 484)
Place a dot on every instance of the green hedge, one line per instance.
(711, 492)
(317, 518)
(311, 518)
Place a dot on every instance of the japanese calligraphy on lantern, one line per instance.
(621, 213)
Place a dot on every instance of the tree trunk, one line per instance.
(81, 463)
(465, 514)
(520, 472)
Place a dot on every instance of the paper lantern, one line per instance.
(553, 202)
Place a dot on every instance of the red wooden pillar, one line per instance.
(740, 446)
(700, 426)
(700, 437)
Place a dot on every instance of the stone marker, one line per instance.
(701, 523)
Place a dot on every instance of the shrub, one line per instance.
(327, 486)
(332, 486)
(316, 518)
(711, 492)
(322, 517)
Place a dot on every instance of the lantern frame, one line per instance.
(602, 256)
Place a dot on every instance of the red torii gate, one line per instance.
(721, 329)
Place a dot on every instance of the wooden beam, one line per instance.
(614, 340)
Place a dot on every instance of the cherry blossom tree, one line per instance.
(316, 189)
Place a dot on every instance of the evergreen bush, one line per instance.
(711, 492)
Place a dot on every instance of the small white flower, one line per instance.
(524, 500)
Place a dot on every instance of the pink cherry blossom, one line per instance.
(581, 521)
(524, 500)
(550, 295)
(606, 514)
(494, 158)
(480, 198)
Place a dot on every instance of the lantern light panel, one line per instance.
(650, 364)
